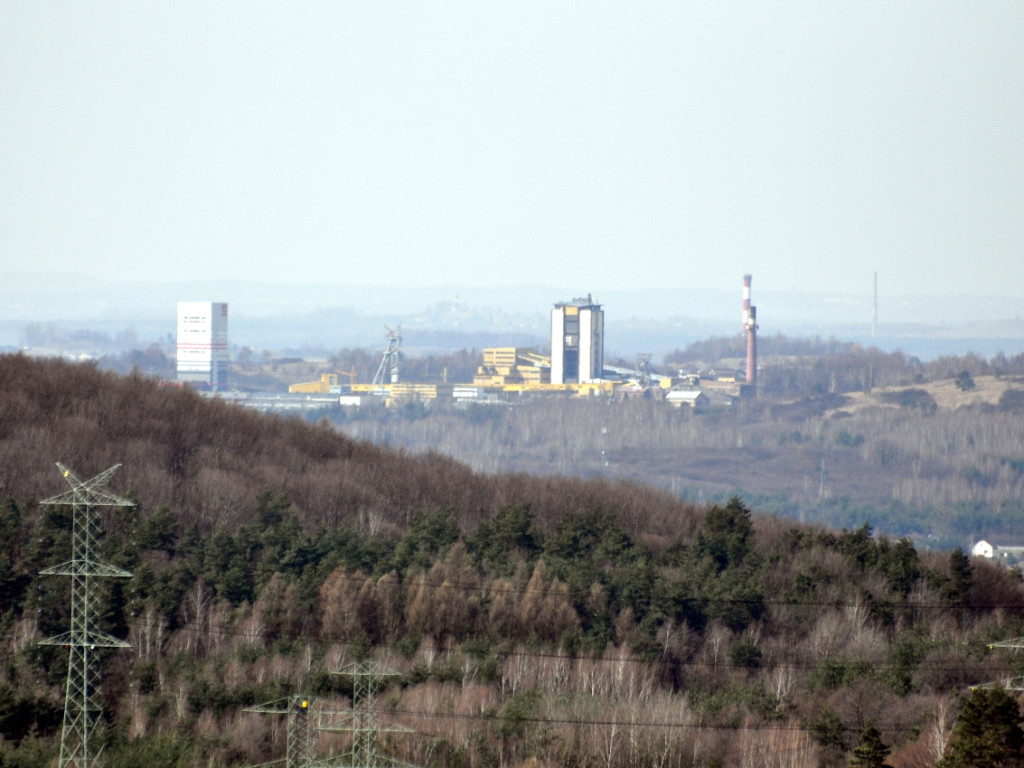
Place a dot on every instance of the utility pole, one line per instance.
(82, 717)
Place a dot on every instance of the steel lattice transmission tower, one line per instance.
(82, 717)
(298, 751)
(1010, 684)
(362, 721)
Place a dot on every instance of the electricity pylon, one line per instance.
(1015, 684)
(298, 751)
(362, 722)
(1017, 642)
(82, 717)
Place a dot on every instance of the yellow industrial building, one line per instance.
(327, 385)
(576, 368)
(504, 370)
(504, 366)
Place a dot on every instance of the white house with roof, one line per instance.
(997, 552)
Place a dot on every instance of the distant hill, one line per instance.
(325, 315)
(925, 459)
(210, 460)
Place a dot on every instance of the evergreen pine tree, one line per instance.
(727, 535)
(872, 751)
(959, 587)
(988, 732)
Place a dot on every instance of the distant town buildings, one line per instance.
(202, 347)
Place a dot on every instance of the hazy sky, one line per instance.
(581, 144)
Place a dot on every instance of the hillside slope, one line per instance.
(986, 391)
(529, 622)
(209, 460)
(924, 459)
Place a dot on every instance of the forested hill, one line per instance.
(528, 622)
(210, 461)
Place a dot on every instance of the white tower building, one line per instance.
(577, 341)
(203, 343)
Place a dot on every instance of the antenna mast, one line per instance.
(874, 309)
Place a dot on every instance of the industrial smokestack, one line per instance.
(750, 329)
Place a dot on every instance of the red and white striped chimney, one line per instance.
(750, 329)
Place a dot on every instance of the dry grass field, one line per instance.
(948, 397)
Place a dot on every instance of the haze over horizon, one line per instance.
(325, 316)
(572, 145)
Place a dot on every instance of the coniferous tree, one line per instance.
(988, 732)
(964, 381)
(872, 751)
(728, 534)
(903, 567)
(10, 583)
(959, 587)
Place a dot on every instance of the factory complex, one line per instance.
(575, 367)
